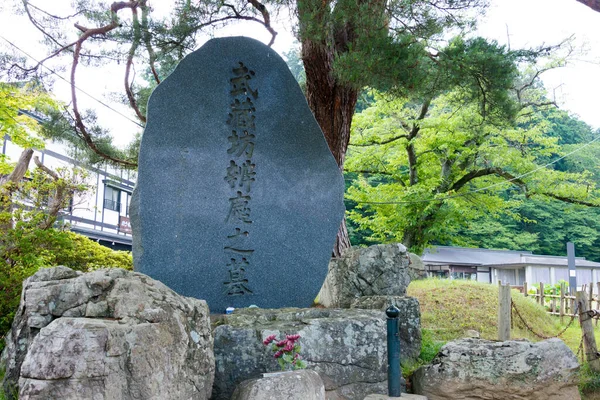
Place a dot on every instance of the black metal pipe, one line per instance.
(393, 347)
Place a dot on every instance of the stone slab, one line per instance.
(238, 199)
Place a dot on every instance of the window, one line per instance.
(111, 198)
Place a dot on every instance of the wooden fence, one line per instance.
(560, 302)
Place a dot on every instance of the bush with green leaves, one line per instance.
(30, 237)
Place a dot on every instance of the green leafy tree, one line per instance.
(447, 162)
(18, 100)
(345, 46)
(545, 225)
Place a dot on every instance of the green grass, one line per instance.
(449, 308)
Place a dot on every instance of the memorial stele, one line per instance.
(238, 199)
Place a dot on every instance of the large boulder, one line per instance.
(346, 347)
(108, 334)
(292, 385)
(373, 271)
(473, 369)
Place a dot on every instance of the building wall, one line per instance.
(98, 212)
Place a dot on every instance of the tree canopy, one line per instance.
(429, 168)
(399, 46)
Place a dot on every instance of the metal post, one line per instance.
(572, 268)
(393, 347)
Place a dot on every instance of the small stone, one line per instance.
(292, 385)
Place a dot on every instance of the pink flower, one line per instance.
(289, 346)
(269, 339)
(278, 354)
(281, 343)
(293, 338)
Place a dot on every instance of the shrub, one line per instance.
(24, 250)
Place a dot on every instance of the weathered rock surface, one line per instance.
(346, 347)
(105, 335)
(409, 322)
(293, 385)
(416, 267)
(473, 369)
(372, 271)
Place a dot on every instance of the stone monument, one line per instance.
(238, 199)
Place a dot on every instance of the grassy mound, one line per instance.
(451, 307)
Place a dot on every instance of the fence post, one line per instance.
(525, 289)
(504, 312)
(587, 328)
(393, 348)
(597, 299)
(553, 302)
(542, 297)
(562, 302)
(591, 294)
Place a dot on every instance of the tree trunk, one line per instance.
(8, 185)
(333, 106)
(593, 4)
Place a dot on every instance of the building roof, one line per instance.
(445, 255)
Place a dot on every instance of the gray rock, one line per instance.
(292, 385)
(108, 334)
(236, 182)
(407, 396)
(409, 320)
(473, 369)
(416, 267)
(373, 271)
(346, 347)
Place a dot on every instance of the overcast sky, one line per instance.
(525, 23)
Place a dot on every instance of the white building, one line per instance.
(513, 267)
(102, 214)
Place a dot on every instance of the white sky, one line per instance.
(528, 23)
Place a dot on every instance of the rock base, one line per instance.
(108, 334)
(346, 347)
(292, 385)
(473, 369)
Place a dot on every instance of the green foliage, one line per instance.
(29, 241)
(430, 347)
(23, 130)
(589, 381)
(441, 164)
(541, 226)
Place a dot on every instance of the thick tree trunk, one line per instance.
(593, 4)
(333, 106)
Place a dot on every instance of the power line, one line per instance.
(487, 187)
(69, 82)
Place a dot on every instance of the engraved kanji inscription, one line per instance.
(240, 84)
(238, 233)
(241, 115)
(241, 175)
(237, 284)
(241, 144)
(238, 209)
